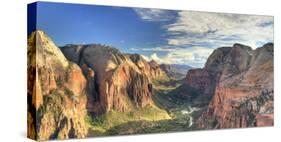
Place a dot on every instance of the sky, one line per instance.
(167, 36)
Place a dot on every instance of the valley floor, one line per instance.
(168, 114)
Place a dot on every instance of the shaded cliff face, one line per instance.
(243, 93)
(56, 97)
(200, 80)
(199, 84)
(223, 63)
(116, 81)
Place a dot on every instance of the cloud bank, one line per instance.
(219, 29)
(192, 36)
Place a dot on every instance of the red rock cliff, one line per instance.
(243, 95)
(116, 81)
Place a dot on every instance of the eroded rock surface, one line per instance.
(116, 81)
(56, 92)
(243, 93)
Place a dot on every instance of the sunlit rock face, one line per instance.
(56, 92)
(243, 91)
(150, 68)
(115, 81)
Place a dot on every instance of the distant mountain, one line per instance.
(177, 71)
(182, 68)
(239, 81)
(152, 69)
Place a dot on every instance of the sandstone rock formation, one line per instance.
(242, 87)
(156, 71)
(151, 69)
(116, 81)
(204, 80)
(56, 92)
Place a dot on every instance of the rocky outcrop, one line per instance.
(156, 71)
(223, 63)
(243, 93)
(201, 83)
(151, 69)
(116, 81)
(56, 97)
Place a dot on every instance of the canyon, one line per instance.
(82, 90)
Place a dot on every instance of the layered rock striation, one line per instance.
(241, 83)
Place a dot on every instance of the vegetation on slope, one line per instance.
(168, 114)
(101, 124)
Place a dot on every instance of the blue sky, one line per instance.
(182, 37)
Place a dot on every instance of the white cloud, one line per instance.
(204, 32)
(162, 48)
(153, 15)
(194, 56)
(214, 28)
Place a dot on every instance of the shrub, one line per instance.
(68, 92)
(59, 82)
